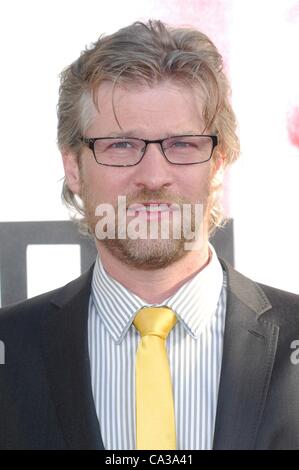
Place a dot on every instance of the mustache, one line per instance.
(146, 195)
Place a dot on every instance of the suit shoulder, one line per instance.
(33, 307)
(280, 296)
(285, 306)
(25, 307)
(268, 302)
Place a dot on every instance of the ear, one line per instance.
(71, 170)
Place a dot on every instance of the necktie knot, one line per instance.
(155, 321)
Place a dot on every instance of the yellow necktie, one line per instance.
(155, 420)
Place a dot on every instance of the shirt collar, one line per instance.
(194, 303)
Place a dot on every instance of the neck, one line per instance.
(163, 282)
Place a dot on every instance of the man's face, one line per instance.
(156, 112)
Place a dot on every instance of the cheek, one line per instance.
(196, 181)
(104, 184)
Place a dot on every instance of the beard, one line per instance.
(146, 252)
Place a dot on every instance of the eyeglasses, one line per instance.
(129, 151)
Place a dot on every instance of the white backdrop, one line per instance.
(259, 40)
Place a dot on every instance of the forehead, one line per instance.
(164, 107)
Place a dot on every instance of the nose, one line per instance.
(154, 171)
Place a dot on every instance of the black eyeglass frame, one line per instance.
(90, 142)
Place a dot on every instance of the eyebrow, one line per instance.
(134, 133)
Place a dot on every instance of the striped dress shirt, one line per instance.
(194, 349)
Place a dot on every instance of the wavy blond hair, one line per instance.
(148, 53)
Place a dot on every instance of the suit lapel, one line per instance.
(67, 362)
(248, 355)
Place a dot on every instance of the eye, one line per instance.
(121, 144)
(180, 143)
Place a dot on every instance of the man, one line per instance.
(146, 129)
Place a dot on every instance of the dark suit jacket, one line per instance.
(45, 387)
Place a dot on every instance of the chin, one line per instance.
(146, 254)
